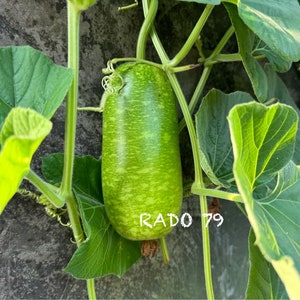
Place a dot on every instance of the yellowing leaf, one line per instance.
(21, 135)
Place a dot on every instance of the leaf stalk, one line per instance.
(46, 189)
(217, 194)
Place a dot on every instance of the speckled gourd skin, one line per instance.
(141, 168)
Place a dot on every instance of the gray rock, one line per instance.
(34, 248)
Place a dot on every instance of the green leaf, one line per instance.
(276, 22)
(280, 64)
(263, 139)
(278, 90)
(246, 41)
(264, 282)
(87, 175)
(263, 144)
(213, 134)
(30, 79)
(22, 133)
(104, 251)
(275, 221)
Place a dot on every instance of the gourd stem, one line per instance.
(145, 30)
(164, 250)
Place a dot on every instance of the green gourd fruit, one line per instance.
(141, 168)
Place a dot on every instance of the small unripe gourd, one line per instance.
(141, 169)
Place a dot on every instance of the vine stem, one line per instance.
(70, 125)
(191, 129)
(72, 98)
(190, 42)
(155, 39)
(198, 91)
(70, 131)
(145, 29)
(208, 64)
(129, 6)
(198, 183)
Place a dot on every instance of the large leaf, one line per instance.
(213, 134)
(278, 90)
(263, 143)
(246, 42)
(275, 221)
(263, 282)
(29, 79)
(104, 251)
(21, 134)
(263, 139)
(87, 174)
(276, 22)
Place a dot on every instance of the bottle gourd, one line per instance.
(141, 168)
